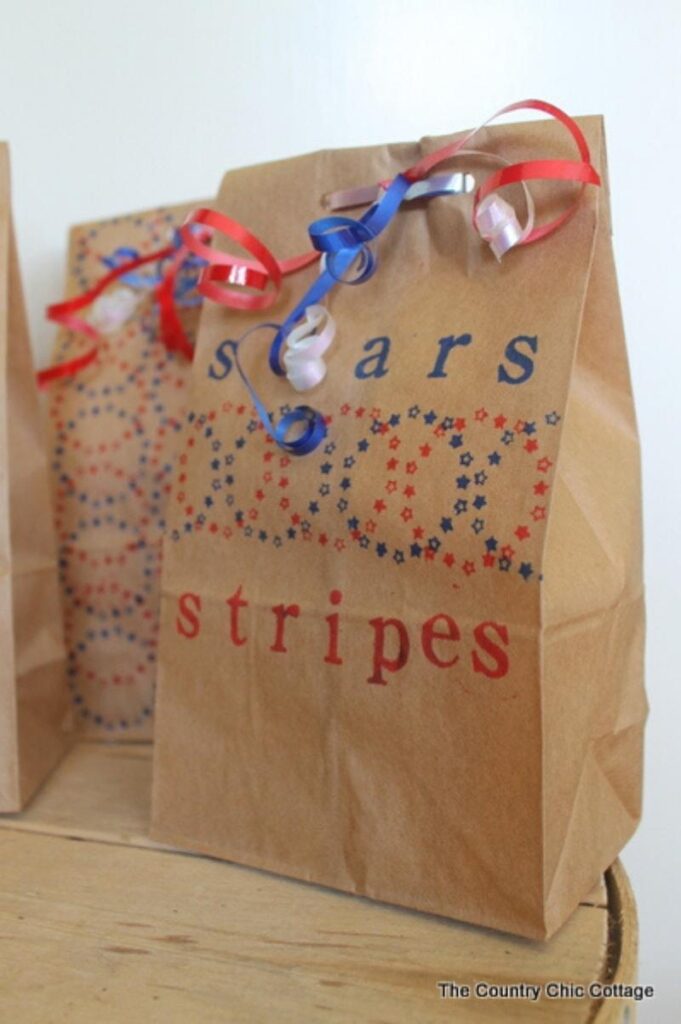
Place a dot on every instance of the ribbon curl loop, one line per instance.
(303, 416)
(262, 273)
(224, 267)
(66, 314)
(347, 241)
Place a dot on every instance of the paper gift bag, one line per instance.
(114, 429)
(34, 707)
(409, 663)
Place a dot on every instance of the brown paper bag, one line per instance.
(114, 430)
(409, 664)
(34, 707)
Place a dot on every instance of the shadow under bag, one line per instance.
(409, 664)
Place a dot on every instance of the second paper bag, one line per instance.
(114, 425)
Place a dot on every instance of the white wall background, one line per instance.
(110, 107)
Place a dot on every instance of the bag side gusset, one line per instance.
(9, 778)
(593, 699)
(43, 715)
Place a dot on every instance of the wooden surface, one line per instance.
(98, 924)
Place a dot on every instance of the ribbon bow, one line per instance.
(345, 243)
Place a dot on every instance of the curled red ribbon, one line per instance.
(65, 314)
(580, 171)
(69, 368)
(255, 284)
(263, 274)
(172, 332)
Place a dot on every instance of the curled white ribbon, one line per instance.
(305, 348)
(498, 224)
(112, 309)
(495, 220)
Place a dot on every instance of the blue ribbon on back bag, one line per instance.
(185, 289)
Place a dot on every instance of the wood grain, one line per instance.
(111, 929)
(101, 792)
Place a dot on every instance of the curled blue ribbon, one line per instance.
(310, 420)
(136, 280)
(187, 279)
(345, 244)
